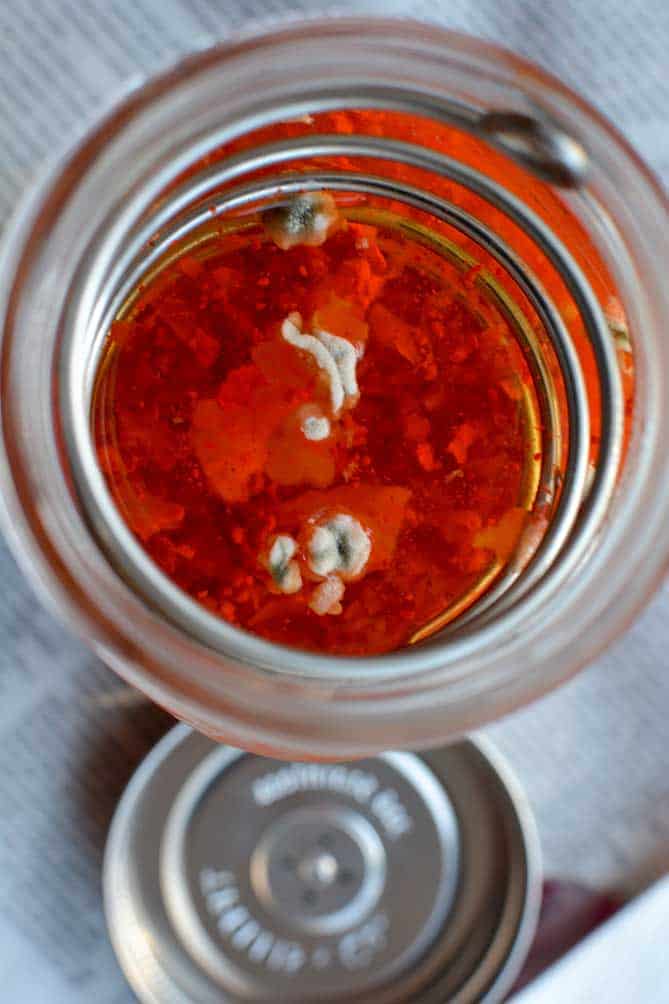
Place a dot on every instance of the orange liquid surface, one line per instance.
(199, 418)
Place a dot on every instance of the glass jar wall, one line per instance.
(480, 156)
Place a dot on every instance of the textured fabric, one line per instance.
(593, 756)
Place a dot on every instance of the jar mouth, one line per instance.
(255, 179)
(136, 181)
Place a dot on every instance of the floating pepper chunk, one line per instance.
(294, 459)
(230, 447)
(149, 515)
(389, 330)
(343, 319)
(502, 538)
(255, 427)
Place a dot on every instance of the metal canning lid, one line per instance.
(233, 878)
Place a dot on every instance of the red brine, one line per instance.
(327, 440)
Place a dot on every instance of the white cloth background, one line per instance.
(593, 756)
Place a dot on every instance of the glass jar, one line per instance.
(518, 177)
